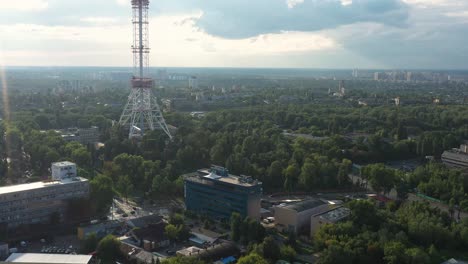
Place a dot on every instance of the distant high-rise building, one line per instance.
(376, 76)
(193, 83)
(409, 76)
(355, 73)
(342, 90)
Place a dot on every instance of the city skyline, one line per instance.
(332, 34)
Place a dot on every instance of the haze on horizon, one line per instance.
(240, 33)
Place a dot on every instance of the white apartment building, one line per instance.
(36, 202)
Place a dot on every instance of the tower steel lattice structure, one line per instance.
(142, 111)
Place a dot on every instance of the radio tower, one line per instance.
(142, 111)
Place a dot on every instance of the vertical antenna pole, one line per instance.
(140, 29)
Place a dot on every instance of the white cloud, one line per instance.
(293, 3)
(346, 2)
(457, 14)
(435, 3)
(123, 2)
(174, 41)
(23, 5)
(99, 20)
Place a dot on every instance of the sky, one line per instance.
(403, 34)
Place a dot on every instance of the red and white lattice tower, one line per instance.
(142, 112)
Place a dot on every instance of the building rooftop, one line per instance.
(304, 205)
(38, 185)
(48, 258)
(153, 232)
(189, 251)
(335, 215)
(454, 261)
(64, 163)
(222, 176)
(144, 221)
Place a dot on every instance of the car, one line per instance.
(124, 215)
(132, 212)
(170, 252)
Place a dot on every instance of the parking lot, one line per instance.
(58, 245)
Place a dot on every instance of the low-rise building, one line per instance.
(218, 194)
(82, 135)
(329, 217)
(295, 217)
(223, 249)
(151, 237)
(39, 202)
(454, 261)
(49, 258)
(4, 251)
(100, 229)
(457, 158)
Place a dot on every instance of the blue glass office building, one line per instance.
(216, 193)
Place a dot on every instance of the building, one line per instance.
(223, 249)
(88, 135)
(49, 258)
(38, 202)
(217, 193)
(4, 251)
(201, 237)
(454, 261)
(377, 76)
(63, 170)
(329, 217)
(83, 135)
(144, 221)
(151, 237)
(295, 217)
(100, 229)
(193, 83)
(190, 251)
(457, 158)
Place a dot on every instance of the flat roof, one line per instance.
(335, 215)
(304, 205)
(231, 179)
(48, 258)
(63, 163)
(37, 185)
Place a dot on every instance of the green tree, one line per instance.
(109, 249)
(394, 253)
(102, 193)
(288, 253)
(236, 226)
(291, 174)
(271, 249)
(125, 186)
(252, 259)
(89, 244)
(171, 232)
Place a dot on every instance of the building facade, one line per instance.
(82, 135)
(218, 194)
(457, 158)
(330, 217)
(295, 217)
(37, 202)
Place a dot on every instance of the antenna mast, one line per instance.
(142, 111)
